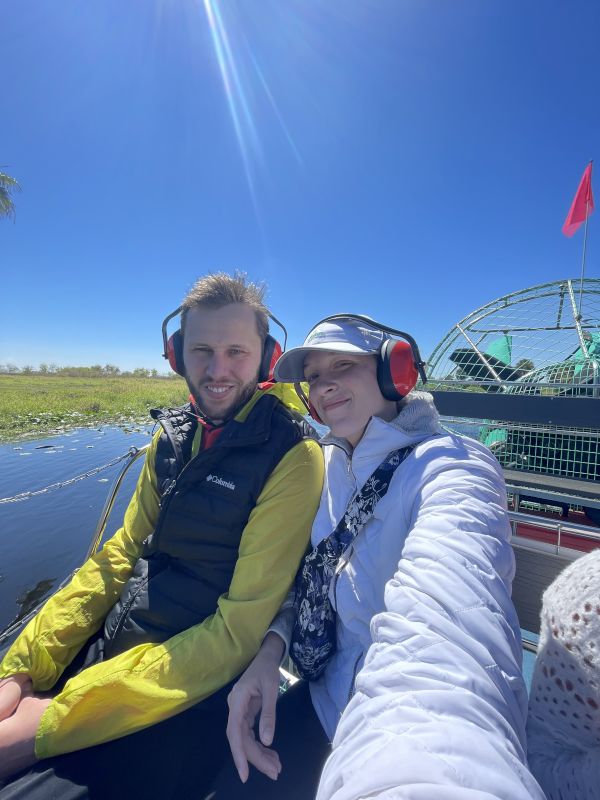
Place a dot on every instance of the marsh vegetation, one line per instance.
(37, 403)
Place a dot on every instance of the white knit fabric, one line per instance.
(564, 707)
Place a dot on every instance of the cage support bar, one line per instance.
(577, 318)
(480, 354)
(536, 409)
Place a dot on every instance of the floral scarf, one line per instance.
(314, 635)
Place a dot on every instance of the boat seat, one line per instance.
(536, 570)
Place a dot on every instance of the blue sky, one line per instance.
(407, 159)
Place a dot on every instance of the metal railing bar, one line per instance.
(135, 453)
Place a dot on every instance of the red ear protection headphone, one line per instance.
(173, 349)
(399, 363)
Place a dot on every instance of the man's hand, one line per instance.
(256, 690)
(20, 712)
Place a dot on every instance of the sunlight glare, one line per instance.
(243, 93)
(236, 100)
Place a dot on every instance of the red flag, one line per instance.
(583, 204)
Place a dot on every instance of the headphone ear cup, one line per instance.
(175, 353)
(396, 371)
(271, 355)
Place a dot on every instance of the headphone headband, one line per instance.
(165, 337)
(173, 348)
(177, 311)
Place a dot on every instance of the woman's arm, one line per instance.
(440, 704)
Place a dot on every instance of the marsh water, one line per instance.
(45, 537)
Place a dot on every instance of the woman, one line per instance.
(423, 689)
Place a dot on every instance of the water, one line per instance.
(43, 539)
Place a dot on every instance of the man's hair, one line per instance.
(220, 289)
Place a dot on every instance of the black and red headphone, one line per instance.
(173, 348)
(399, 363)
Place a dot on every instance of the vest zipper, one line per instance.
(169, 492)
(165, 495)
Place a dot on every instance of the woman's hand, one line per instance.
(256, 690)
(20, 714)
(12, 690)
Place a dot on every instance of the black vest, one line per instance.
(188, 560)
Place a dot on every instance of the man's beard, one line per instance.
(225, 413)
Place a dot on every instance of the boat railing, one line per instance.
(135, 453)
(566, 532)
(543, 547)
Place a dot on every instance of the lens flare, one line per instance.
(234, 92)
(243, 94)
(276, 111)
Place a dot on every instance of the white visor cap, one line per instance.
(339, 336)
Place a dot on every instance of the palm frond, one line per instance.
(7, 186)
(6, 182)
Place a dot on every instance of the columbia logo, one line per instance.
(220, 482)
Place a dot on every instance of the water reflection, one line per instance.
(32, 597)
(44, 538)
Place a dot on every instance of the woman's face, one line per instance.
(345, 393)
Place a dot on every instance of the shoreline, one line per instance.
(58, 427)
(32, 405)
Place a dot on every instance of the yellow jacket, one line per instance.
(149, 683)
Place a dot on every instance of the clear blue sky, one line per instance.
(407, 159)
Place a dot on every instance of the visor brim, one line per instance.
(290, 367)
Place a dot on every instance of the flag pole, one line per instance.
(587, 214)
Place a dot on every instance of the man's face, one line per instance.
(222, 352)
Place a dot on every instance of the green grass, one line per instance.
(37, 403)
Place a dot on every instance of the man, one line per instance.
(177, 602)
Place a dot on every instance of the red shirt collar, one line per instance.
(210, 432)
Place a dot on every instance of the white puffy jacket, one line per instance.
(439, 704)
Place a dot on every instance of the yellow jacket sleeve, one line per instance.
(51, 640)
(152, 682)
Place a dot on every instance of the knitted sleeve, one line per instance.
(563, 729)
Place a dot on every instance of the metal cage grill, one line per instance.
(542, 341)
(560, 451)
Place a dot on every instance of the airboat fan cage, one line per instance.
(542, 342)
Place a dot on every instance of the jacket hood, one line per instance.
(418, 415)
(417, 419)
